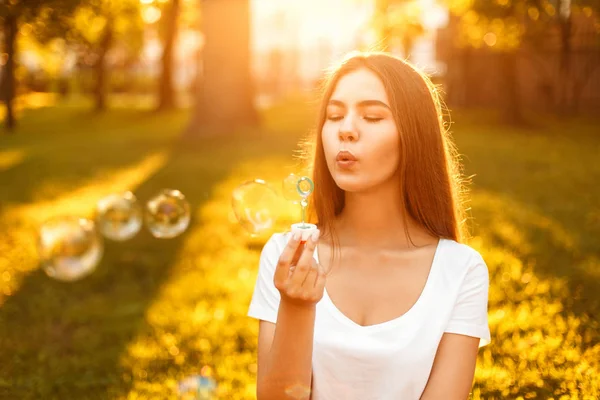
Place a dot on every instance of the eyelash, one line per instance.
(370, 120)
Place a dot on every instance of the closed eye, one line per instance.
(335, 118)
(372, 119)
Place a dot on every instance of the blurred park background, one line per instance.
(106, 96)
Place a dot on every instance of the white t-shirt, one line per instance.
(391, 360)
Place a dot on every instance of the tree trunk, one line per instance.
(468, 95)
(512, 103)
(166, 95)
(8, 76)
(565, 64)
(100, 67)
(385, 31)
(408, 42)
(225, 96)
(275, 84)
(581, 80)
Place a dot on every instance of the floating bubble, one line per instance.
(290, 188)
(167, 214)
(197, 387)
(256, 206)
(119, 216)
(70, 248)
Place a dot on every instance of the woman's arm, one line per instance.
(285, 354)
(453, 368)
(286, 348)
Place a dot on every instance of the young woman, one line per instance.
(388, 303)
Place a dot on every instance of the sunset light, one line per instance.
(159, 157)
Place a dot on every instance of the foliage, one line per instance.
(28, 9)
(398, 21)
(157, 311)
(504, 24)
(97, 18)
(188, 17)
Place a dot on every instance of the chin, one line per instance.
(350, 183)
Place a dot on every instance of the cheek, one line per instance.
(385, 144)
(328, 138)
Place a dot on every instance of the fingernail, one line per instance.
(315, 236)
(296, 236)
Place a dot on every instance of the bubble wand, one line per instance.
(305, 188)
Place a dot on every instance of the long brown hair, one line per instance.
(430, 173)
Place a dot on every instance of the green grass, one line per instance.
(156, 311)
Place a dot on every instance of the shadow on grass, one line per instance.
(536, 219)
(68, 340)
(65, 340)
(62, 149)
(548, 182)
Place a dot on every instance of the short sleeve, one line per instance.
(264, 304)
(470, 313)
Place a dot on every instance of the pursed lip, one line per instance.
(345, 155)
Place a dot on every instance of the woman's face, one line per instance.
(359, 120)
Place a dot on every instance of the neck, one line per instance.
(374, 218)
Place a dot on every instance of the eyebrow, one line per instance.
(361, 104)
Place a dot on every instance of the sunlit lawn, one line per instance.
(156, 311)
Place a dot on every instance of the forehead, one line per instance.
(358, 85)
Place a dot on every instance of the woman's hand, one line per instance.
(298, 277)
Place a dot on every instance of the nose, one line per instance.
(347, 130)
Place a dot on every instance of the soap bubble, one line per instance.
(70, 248)
(296, 188)
(256, 206)
(197, 387)
(290, 188)
(167, 214)
(119, 216)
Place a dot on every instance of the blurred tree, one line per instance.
(398, 21)
(225, 93)
(177, 16)
(505, 26)
(97, 26)
(166, 93)
(499, 25)
(571, 85)
(12, 14)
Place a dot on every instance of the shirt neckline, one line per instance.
(395, 321)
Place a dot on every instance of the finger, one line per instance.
(311, 277)
(321, 279)
(298, 253)
(285, 258)
(304, 263)
(299, 274)
(309, 249)
(309, 282)
(320, 273)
